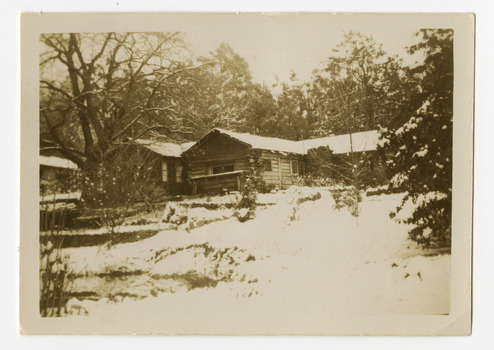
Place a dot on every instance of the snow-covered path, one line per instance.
(306, 272)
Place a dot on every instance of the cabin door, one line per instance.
(172, 178)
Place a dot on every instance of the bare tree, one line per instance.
(129, 175)
(379, 87)
(98, 89)
(355, 168)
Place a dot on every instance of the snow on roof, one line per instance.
(361, 141)
(57, 162)
(266, 143)
(167, 149)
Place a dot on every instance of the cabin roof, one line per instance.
(166, 149)
(56, 162)
(262, 142)
(340, 144)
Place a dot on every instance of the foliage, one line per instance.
(311, 180)
(54, 280)
(128, 175)
(225, 86)
(360, 169)
(347, 197)
(97, 90)
(64, 181)
(292, 117)
(229, 98)
(261, 111)
(359, 88)
(420, 151)
(175, 215)
(55, 276)
(319, 162)
(245, 208)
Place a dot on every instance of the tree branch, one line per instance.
(54, 88)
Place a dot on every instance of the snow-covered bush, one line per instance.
(55, 277)
(54, 280)
(293, 198)
(202, 265)
(419, 153)
(347, 197)
(199, 217)
(118, 182)
(245, 208)
(312, 180)
(175, 214)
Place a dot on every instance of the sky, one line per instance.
(274, 45)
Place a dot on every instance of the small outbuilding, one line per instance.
(170, 168)
(57, 175)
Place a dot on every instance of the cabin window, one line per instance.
(221, 168)
(179, 172)
(295, 166)
(164, 170)
(267, 165)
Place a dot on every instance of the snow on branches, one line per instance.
(419, 155)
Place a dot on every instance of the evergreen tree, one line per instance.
(226, 92)
(292, 116)
(420, 151)
(261, 112)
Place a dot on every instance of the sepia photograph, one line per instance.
(246, 174)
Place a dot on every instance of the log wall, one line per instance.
(220, 150)
(281, 169)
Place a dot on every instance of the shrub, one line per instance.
(54, 280)
(175, 214)
(55, 277)
(347, 197)
(312, 180)
(359, 169)
(245, 208)
(124, 177)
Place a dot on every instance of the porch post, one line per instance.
(279, 173)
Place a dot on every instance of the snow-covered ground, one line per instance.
(293, 260)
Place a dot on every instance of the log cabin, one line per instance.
(221, 160)
(169, 168)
